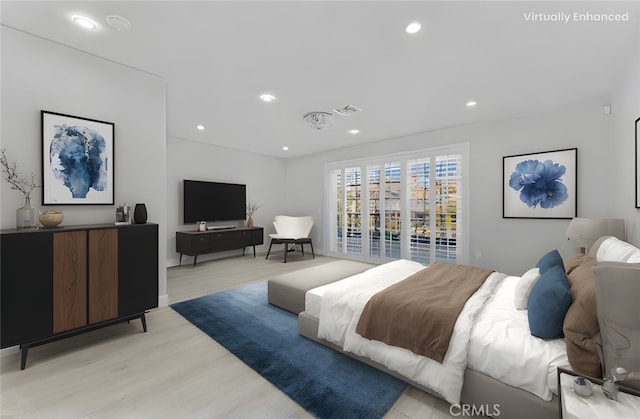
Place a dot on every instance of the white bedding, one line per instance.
(341, 307)
(490, 337)
(502, 346)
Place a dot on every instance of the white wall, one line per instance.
(264, 177)
(508, 245)
(42, 75)
(620, 190)
(38, 74)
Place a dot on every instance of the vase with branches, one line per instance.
(25, 216)
(252, 207)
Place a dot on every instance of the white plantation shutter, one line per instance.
(447, 205)
(373, 232)
(418, 175)
(353, 210)
(409, 206)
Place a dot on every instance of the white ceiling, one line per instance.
(218, 57)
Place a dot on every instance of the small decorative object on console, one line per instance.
(123, 214)
(25, 216)
(140, 214)
(51, 218)
(252, 207)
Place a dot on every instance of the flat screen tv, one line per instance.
(213, 201)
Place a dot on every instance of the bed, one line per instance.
(493, 361)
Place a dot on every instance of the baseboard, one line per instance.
(163, 300)
(11, 350)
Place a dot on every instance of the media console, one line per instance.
(194, 243)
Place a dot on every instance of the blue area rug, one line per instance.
(324, 382)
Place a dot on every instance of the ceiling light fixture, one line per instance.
(354, 131)
(319, 120)
(285, 148)
(267, 97)
(200, 127)
(472, 104)
(118, 23)
(413, 27)
(85, 22)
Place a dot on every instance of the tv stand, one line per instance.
(194, 243)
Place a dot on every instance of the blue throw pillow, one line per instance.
(549, 260)
(549, 302)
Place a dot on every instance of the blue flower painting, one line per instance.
(77, 155)
(540, 183)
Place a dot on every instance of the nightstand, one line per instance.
(597, 405)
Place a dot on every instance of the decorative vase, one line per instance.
(26, 216)
(249, 221)
(140, 214)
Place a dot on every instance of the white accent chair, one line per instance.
(291, 230)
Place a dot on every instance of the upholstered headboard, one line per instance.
(618, 305)
(617, 275)
(611, 249)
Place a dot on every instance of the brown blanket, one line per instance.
(419, 313)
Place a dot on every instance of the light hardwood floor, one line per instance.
(172, 371)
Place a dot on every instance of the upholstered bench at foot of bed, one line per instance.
(288, 290)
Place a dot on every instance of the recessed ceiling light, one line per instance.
(413, 27)
(472, 104)
(285, 148)
(200, 127)
(267, 97)
(353, 131)
(85, 22)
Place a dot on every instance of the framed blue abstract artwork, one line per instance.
(77, 160)
(541, 185)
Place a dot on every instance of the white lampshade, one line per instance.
(585, 231)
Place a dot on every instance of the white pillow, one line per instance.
(634, 258)
(523, 288)
(615, 250)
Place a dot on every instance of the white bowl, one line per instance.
(582, 387)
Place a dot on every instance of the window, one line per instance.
(410, 206)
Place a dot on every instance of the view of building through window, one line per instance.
(408, 207)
